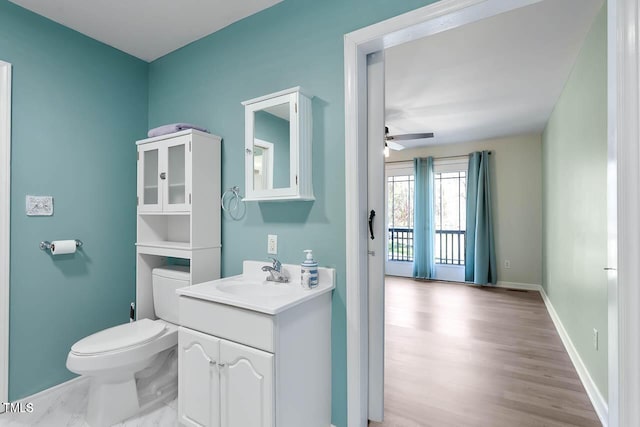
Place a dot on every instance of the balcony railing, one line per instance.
(400, 244)
(448, 248)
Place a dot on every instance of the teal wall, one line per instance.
(296, 42)
(78, 106)
(275, 130)
(574, 150)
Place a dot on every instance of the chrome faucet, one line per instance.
(275, 272)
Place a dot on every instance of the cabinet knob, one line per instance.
(248, 150)
(163, 175)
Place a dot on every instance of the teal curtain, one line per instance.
(423, 223)
(480, 254)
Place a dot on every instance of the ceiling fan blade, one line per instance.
(395, 146)
(409, 136)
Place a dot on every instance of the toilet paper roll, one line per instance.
(61, 247)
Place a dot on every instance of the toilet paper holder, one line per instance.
(46, 245)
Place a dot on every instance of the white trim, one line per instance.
(518, 286)
(5, 229)
(428, 20)
(624, 237)
(599, 403)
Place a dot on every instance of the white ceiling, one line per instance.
(497, 77)
(147, 29)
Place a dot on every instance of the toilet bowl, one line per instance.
(133, 366)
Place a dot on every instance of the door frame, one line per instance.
(624, 135)
(5, 230)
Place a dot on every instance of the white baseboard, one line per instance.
(519, 286)
(53, 389)
(599, 404)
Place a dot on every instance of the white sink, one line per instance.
(252, 291)
(255, 289)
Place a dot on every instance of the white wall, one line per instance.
(517, 199)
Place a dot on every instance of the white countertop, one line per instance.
(261, 295)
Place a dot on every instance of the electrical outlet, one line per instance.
(507, 263)
(595, 338)
(272, 244)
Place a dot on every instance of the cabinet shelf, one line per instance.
(172, 245)
(172, 249)
(166, 245)
(160, 213)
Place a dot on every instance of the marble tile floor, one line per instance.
(65, 406)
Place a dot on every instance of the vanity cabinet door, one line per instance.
(149, 186)
(246, 386)
(198, 379)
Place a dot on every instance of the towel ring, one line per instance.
(232, 198)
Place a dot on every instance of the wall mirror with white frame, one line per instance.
(278, 130)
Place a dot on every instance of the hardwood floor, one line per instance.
(458, 355)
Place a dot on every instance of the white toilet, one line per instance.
(133, 366)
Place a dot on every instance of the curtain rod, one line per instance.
(435, 158)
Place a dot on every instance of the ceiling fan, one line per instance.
(392, 141)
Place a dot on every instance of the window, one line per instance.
(450, 211)
(450, 194)
(400, 214)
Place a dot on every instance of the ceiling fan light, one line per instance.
(386, 150)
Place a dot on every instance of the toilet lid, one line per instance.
(119, 337)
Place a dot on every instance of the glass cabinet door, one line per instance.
(177, 191)
(149, 195)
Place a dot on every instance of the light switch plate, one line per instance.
(39, 205)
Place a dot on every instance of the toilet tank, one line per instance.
(165, 282)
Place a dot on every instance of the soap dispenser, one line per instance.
(309, 270)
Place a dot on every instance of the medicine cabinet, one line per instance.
(278, 133)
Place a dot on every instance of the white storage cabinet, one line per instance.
(178, 215)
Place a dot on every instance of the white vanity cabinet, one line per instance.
(243, 363)
(222, 383)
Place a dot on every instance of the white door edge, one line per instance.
(377, 246)
(5, 230)
(624, 301)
